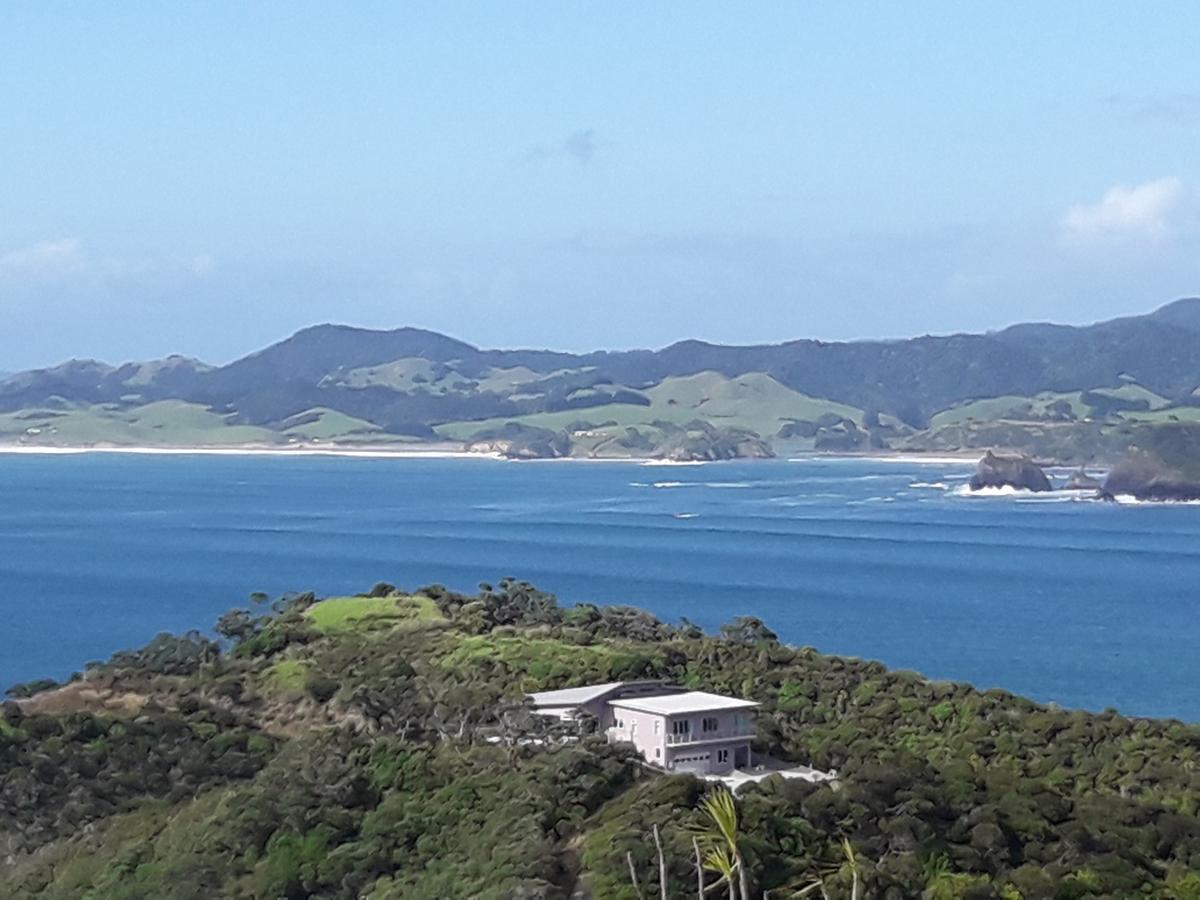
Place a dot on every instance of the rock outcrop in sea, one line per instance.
(1016, 471)
(1144, 475)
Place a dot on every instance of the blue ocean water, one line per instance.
(1084, 604)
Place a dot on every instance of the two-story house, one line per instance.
(687, 732)
(675, 729)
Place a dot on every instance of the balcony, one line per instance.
(704, 737)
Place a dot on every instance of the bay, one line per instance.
(1085, 604)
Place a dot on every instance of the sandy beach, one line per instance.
(441, 451)
(389, 452)
(941, 459)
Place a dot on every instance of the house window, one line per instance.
(682, 726)
(722, 756)
(657, 752)
(657, 726)
(620, 723)
(709, 723)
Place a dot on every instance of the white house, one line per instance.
(673, 728)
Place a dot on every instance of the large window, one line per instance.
(681, 726)
(710, 723)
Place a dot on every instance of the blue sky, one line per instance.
(205, 178)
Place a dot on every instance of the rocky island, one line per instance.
(1016, 471)
(1163, 466)
(1145, 476)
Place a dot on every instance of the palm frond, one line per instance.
(721, 811)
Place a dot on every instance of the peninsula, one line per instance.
(432, 744)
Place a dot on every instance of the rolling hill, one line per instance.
(1090, 389)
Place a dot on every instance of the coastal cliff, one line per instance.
(697, 441)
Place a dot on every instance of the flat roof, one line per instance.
(677, 704)
(573, 696)
(586, 693)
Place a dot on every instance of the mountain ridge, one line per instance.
(415, 382)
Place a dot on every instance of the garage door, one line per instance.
(697, 763)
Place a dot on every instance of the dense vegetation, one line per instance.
(1074, 394)
(380, 746)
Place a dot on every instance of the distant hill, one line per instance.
(334, 382)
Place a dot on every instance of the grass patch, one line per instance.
(162, 422)
(345, 614)
(754, 401)
(325, 424)
(287, 676)
(1009, 407)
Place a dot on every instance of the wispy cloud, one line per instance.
(45, 257)
(1142, 212)
(69, 261)
(580, 146)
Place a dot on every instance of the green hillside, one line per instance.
(163, 423)
(380, 747)
(1053, 406)
(1069, 393)
(330, 425)
(755, 402)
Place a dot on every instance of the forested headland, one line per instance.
(380, 746)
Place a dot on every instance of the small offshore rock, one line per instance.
(1017, 471)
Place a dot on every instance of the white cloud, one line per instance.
(68, 260)
(46, 257)
(1142, 212)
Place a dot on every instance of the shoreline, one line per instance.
(306, 450)
(441, 451)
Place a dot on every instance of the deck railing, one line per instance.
(694, 737)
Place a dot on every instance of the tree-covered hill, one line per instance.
(380, 746)
(410, 384)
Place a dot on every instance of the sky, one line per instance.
(206, 178)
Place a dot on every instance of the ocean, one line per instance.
(1081, 603)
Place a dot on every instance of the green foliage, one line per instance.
(287, 676)
(60, 773)
(413, 768)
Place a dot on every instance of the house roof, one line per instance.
(574, 696)
(678, 704)
(586, 694)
